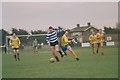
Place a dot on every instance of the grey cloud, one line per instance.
(40, 15)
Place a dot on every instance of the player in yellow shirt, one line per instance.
(65, 45)
(15, 43)
(100, 39)
(92, 39)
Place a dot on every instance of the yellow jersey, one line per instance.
(100, 37)
(64, 40)
(14, 42)
(92, 39)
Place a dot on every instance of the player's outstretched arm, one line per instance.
(73, 40)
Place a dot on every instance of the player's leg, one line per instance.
(101, 47)
(64, 48)
(53, 52)
(18, 55)
(98, 46)
(94, 48)
(36, 50)
(58, 50)
(5, 50)
(73, 53)
(65, 53)
(14, 54)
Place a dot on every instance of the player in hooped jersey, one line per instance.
(52, 41)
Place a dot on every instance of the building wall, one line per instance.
(83, 36)
(76, 33)
(114, 37)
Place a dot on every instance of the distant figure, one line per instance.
(35, 46)
(15, 44)
(100, 39)
(92, 39)
(4, 49)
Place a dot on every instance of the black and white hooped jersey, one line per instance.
(52, 36)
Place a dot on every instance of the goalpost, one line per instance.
(28, 39)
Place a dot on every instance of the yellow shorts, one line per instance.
(98, 41)
(93, 42)
(102, 41)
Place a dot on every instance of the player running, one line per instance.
(100, 39)
(15, 43)
(65, 45)
(92, 39)
(52, 41)
(35, 46)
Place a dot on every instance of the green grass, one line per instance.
(1, 64)
(38, 65)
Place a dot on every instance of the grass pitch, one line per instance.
(38, 65)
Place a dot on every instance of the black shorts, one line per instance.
(54, 43)
(35, 46)
(15, 49)
(98, 43)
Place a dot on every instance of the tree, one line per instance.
(109, 30)
(23, 32)
(38, 32)
(19, 31)
(3, 36)
(14, 30)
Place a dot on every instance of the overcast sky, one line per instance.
(41, 15)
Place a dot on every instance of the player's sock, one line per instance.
(61, 53)
(77, 59)
(37, 51)
(18, 56)
(94, 49)
(57, 58)
(93, 52)
(102, 50)
(34, 51)
(65, 53)
(15, 57)
(97, 50)
(102, 53)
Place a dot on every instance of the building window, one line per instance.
(76, 33)
(109, 38)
